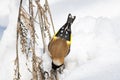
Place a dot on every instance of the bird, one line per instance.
(59, 45)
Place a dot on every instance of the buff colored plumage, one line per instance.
(59, 46)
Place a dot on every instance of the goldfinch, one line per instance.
(59, 46)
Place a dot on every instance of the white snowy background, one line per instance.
(95, 49)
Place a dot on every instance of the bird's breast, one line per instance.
(58, 48)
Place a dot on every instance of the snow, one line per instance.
(1, 31)
(7, 46)
(94, 54)
(95, 50)
(98, 69)
(4, 12)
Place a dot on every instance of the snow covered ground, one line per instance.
(1, 31)
(95, 49)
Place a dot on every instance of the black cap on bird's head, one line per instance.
(55, 67)
(70, 18)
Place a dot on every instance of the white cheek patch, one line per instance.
(57, 62)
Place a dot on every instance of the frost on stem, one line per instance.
(26, 36)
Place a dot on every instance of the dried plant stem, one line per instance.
(50, 15)
(34, 64)
(17, 72)
(26, 37)
(41, 25)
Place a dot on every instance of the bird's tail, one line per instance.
(65, 31)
